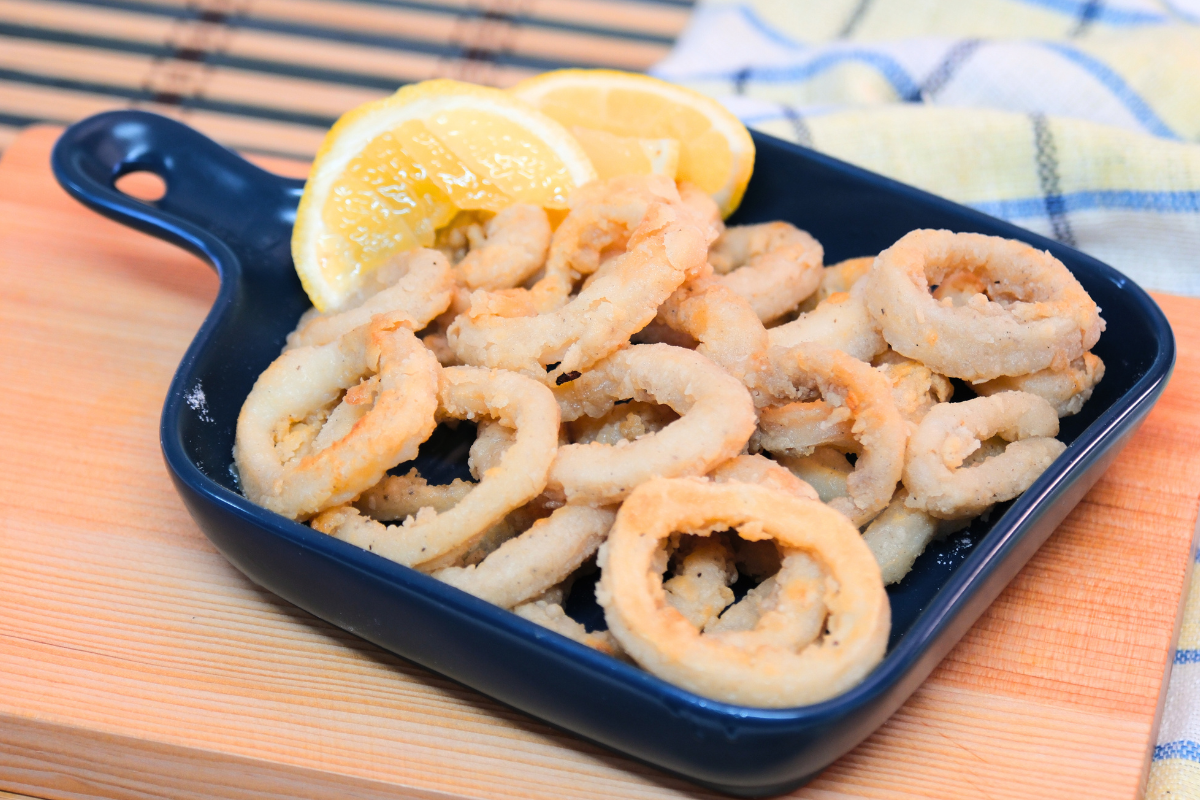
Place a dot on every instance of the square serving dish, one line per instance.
(239, 218)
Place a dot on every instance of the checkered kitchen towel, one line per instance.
(1079, 119)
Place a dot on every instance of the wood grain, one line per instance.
(135, 662)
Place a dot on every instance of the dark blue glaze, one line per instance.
(239, 218)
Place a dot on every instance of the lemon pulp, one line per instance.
(392, 172)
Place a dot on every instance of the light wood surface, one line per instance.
(135, 662)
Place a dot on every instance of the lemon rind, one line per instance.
(355, 129)
(741, 145)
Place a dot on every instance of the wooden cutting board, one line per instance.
(135, 662)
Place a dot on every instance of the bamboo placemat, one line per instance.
(270, 76)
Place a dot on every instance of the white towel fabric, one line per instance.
(1078, 120)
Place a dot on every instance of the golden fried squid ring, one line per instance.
(744, 614)
(716, 420)
(727, 331)
(898, 535)
(603, 217)
(626, 422)
(959, 287)
(804, 622)
(840, 277)
(826, 471)
(937, 480)
(878, 428)
(700, 588)
(1034, 316)
(774, 266)
(512, 248)
(841, 321)
(413, 287)
(915, 387)
(534, 561)
(298, 450)
(431, 540)
(399, 496)
(797, 429)
(435, 334)
(744, 667)
(703, 208)
(665, 250)
(547, 611)
(764, 472)
(492, 439)
(1065, 389)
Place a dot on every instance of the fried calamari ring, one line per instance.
(898, 536)
(764, 472)
(658, 333)
(752, 556)
(492, 440)
(512, 248)
(290, 463)
(1035, 315)
(1065, 389)
(797, 429)
(826, 471)
(664, 251)
(547, 611)
(748, 667)
(437, 344)
(915, 387)
(959, 287)
(399, 496)
(431, 540)
(603, 217)
(773, 266)
(526, 566)
(700, 589)
(716, 420)
(841, 321)
(626, 422)
(435, 335)
(727, 330)
(415, 286)
(937, 480)
(703, 208)
(804, 623)
(840, 277)
(463, 232)
(878, 428)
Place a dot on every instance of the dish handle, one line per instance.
(216, 203)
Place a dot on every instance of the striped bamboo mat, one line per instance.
(270, 76)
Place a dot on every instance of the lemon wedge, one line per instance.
(391, 172)
(614, 155)
(715, 150)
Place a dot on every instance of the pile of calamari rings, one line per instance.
(682, 406)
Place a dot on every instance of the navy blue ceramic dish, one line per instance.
(239, 218)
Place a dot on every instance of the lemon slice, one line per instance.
(614, 155)
(393, 171)
(716, 151)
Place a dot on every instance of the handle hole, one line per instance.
(142, 185)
